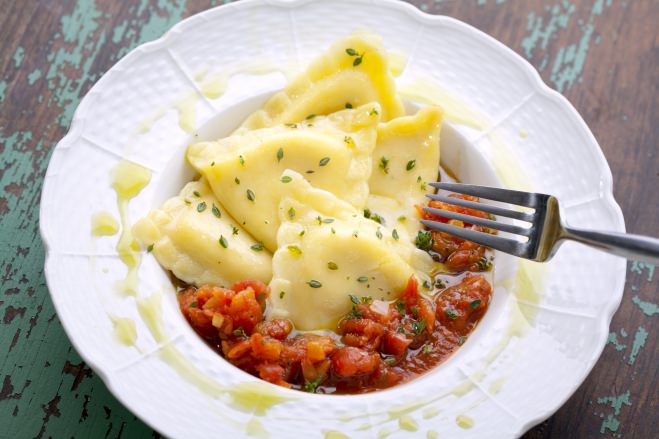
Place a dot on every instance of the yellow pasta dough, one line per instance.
(327, 251)
(333, 152)
(194, 237)
(353, 72)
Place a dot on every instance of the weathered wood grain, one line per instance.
(602, 54)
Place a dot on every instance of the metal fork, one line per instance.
(546, 232)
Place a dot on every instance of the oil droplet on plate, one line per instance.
(104, 224)
(464, 421)
(124, 330)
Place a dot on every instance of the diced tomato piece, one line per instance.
(264, 348)
(245, 310)
(272, 373)
(395, 343)
(315, 351)
(411, 292)
(385, 376)
(361, 333)
(453, 208)
(460, 307)
(427, 313)
(261, 290)
(239, 349)
(277, 329)
(350, 361)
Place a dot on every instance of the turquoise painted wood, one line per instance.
(601, 54)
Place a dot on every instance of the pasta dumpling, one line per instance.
(353, 72)
(328, 251)
(333, 152)
(194, 237)
(405, 158)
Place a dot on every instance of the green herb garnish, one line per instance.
(484, 264)
(362, 279)
(384, 164)
(423, 240)
(314, 283)
(418, 326)
(257, 247)
(201, 206)
(250, 195)
(332, 265)
(149, 249)
(450, 313)
(286, 179)
(323, 161)
(280, 154)
(394, 234)
(311, 386)
(410, 165)
(475, 304)
(223, 242)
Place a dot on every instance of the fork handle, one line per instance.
(635, 247)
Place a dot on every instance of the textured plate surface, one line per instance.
(531, 351)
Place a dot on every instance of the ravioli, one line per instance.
(405, 158)
(353, 72)
(193, 236)
(333, 152)
(328, 251)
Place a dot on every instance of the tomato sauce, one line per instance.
(375, 346)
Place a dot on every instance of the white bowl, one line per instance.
(533, 348)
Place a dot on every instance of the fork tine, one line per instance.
(505, 195)
(480, 221)
(505, 245)
(483, 207)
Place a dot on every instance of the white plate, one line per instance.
(526, 358)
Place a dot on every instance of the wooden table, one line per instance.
(603, 55)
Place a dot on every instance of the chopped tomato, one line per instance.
(350, 361)
(454, 208)
(383, 343)
(461, 306)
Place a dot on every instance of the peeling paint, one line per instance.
(34, 76)
(613, 339)
(568, 64)
(611, 423)
(640, 338)
(3, 88)
(638, 267)
(19, 54)
(648, 308)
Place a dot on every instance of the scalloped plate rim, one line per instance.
(540, 87)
